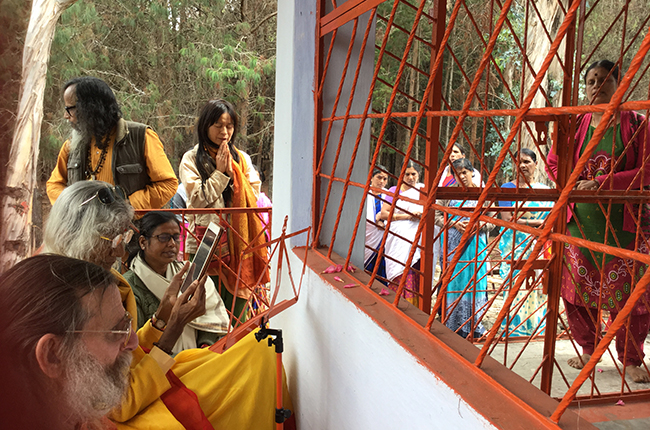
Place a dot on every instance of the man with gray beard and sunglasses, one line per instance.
(67, 344)
(105, 147)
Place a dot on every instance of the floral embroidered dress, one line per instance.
(581, 276)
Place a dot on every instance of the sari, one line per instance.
(399, 249)
(531, 304)
(469, 273)
(373, 238)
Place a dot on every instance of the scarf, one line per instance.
(215, 319)
(249, 227)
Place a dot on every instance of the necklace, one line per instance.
(92, 173)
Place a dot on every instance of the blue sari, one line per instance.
(528, 320)
(471, 270)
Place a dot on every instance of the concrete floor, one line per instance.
(636, 424)
(607, 378)
(606, 415)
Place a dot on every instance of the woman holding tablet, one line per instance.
(153, 265)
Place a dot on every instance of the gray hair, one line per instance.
(38, 296)
(75, 231)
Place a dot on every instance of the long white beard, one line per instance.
(91, 389)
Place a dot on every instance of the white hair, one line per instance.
(76, 230)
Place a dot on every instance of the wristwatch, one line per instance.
(158, 323)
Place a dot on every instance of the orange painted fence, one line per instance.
(401, 81)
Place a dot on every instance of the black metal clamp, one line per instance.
(264, 332)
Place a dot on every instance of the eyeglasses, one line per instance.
(166, 237)
(122, 237)
(69, 108)
(108, 195)
(122, 335)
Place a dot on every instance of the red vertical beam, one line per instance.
(431, 156)
(563, 145)
(318, 110)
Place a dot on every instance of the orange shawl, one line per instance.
(249, 227)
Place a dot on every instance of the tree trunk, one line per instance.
(21, 169)
(537, 47)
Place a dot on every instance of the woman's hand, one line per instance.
(379, 221)
(187, 307)
(224, 160)
(586, 185)
(171, 295)
(461, 226)
(531, 222)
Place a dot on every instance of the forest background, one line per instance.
(165, 58)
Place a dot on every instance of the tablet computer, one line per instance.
(203, 255)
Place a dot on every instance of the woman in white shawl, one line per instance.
(374, 224)
(403, 226)
(153, 265)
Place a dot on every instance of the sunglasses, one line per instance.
(120, 238)
(166, 237)
(121, 335)
(108, 195)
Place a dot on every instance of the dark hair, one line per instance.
(97, 109)
(260, 172)
(210, 114)
(462, 163)
(147, 224)
(412, 164)
(605, 64)
(529, 152)
(377, 170)
(462, 148)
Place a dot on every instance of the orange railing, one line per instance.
(406, 80)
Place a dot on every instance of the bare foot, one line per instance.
(637, 374)
(576, 363)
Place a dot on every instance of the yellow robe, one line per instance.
(155, 196)
(236, 389)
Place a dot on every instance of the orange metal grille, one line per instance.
(405, 80)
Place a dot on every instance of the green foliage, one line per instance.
(164, 60)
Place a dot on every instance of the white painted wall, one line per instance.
(294, 116)
(345, 372)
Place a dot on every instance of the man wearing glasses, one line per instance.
(67, 344)
(105, 147)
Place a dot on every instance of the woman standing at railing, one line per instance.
(402, 229)
(374, 224)
(592, 280)
(528, 320)
(471, 270)
(218, 175)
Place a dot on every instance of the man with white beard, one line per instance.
(67, 344)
